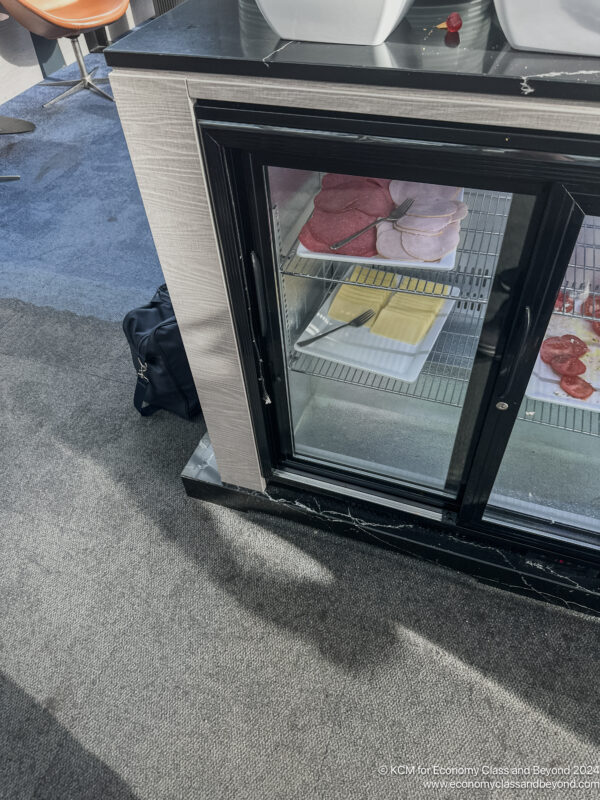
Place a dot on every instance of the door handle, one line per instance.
(260, 293)
(502, 403)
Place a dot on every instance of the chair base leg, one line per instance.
(85, 82)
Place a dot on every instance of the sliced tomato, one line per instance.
(591, 307)
(576, 387)
(578, 347)
(567, 365)
(555, 346)
(596, 328)
(564, 302)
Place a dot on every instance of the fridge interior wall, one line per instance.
(359, 418)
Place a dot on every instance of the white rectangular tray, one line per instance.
(544, 383)
(448, 262)
(358, 347)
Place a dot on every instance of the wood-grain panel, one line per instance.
(478, 109)
(157, 118)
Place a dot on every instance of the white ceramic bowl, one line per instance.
(334, 21)
(551, 26)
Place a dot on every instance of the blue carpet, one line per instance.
(74, 233)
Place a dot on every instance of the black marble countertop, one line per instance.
(232, 37)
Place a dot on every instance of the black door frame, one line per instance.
(237, 151)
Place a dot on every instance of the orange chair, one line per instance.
(56, 18)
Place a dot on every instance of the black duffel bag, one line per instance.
(164, 379)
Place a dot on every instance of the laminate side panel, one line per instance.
(514, 112)
(157, 118)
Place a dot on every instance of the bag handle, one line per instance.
(138, 399)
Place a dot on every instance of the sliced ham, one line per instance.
(432, 248)
(432, 225)
(389, 242)
(461, 212)
(429, 226)
(433, 208)
(401, 190)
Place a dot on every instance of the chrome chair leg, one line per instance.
(77, 88)
(85, 82)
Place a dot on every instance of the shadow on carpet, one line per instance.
(39, 758)
(75, 234)
(543, 655)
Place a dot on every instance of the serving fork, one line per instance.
(394, 216)
(355, 323)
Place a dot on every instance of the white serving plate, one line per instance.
(544, 383)
(448, 262)
(358, 347)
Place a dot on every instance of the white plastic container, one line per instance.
(552, 26)
(334, 21)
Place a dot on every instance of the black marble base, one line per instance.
(575, 586)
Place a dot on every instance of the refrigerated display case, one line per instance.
(439, 405)
(436, 439)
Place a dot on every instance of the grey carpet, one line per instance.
(159, 648)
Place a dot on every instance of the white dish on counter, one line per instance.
(359, 348)
(334, 21)
(551, 26)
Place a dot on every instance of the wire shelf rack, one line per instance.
(582, 278)
(476, 258)
(443, 379)
(447, 391)
(566, 418)
(446, 372)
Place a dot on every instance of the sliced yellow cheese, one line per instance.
(407, 302)
(350, 301)
(409, 327)
(408, 317)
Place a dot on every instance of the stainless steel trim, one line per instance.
(358, 494)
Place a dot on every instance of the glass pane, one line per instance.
(552, 463)
(383, 399)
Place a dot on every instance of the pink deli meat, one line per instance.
(432, 248)
(328, 228)
(432, 226)
(364, 195)
(427, 226)
(401, 190)
(333, 180)
(389, 242)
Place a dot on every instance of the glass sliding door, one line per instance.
(383, 399)
(551, 466)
